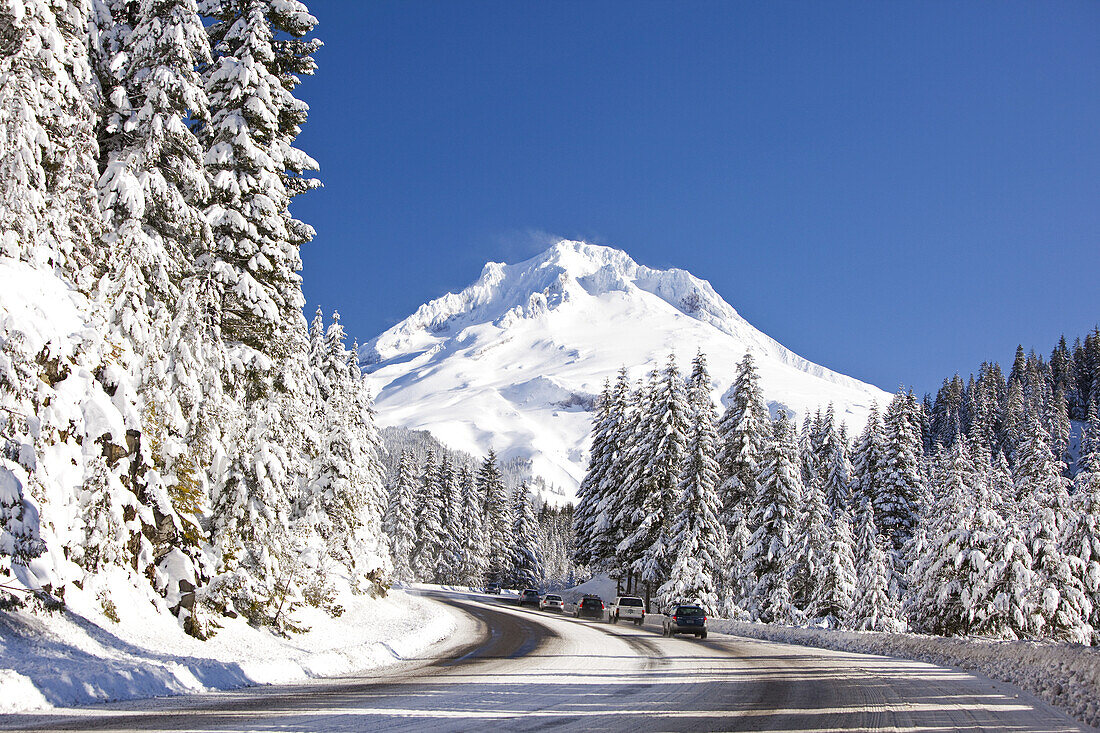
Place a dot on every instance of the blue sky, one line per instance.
(897, 191)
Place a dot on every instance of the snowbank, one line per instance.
(79, 656)
(1065, 675)
(601, 585)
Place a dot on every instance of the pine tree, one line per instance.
(900, 483)
(20, 540)
(867, 459)
(835, 592)
(498, 520)
(986, 407)
(698, 538)
(1010, 611)
(607, 521)
(526, 558)
(947, 412)
(248, 144)
(810, 548)
(838, 473)
(429, 522)
(1081, 541)
(47, 166)
(343, 499)
(743, 435)
(451, 550)
(589, 497)
(775, 511)
(947, 589)
(475, 562)
(151, 193)
(400, 516)
(1060, 596)
(1042, 497)
(668, 423)
(872, 609)
(639, 446)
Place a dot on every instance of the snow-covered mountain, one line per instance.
(515, 361)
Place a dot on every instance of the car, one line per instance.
(627, 608)
(589, 606)
(552, 602)
(685, 619)
(493, 589)
(529, 597)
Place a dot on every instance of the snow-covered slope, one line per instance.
(515, 360)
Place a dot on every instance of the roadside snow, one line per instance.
(601, 585)
(1064, 675)
(78, 656)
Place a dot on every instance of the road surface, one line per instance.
(512, 669)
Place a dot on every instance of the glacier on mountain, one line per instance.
(515, 360)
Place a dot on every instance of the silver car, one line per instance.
(551, 602)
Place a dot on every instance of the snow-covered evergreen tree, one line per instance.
(872, 609)
(429, 522)
(639, 445)
(810, 547)
(775, 512)
(47, 166)
(526, 557)
(451, 549)
(667, 436)
(498, 520)
(742, 433)
(698, 538)
(899, 482)
(589, 498)
(837, 470)
(867, 458)
(475, 561)
(1081, 539)
(400, 519)
(249, 150)
(834, 592)
(947, 592)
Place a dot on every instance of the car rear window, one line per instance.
(689, 611)
(591, 602)
(630, 601)
(530, 593)
(553, 598)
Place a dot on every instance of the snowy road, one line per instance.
(524, 670)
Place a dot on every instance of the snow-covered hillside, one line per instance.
(515, 360)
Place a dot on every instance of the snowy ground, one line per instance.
(79, 656)
(1065, 675)
(507, 668)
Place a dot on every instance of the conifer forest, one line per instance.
(976, 512)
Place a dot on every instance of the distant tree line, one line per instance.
(976, 512)
(454, 521)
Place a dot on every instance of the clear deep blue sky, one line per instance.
(897, 191)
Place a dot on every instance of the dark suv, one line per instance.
(685, 620)
(590, 607)
(529, 597)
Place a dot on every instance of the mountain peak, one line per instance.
(514, 360)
